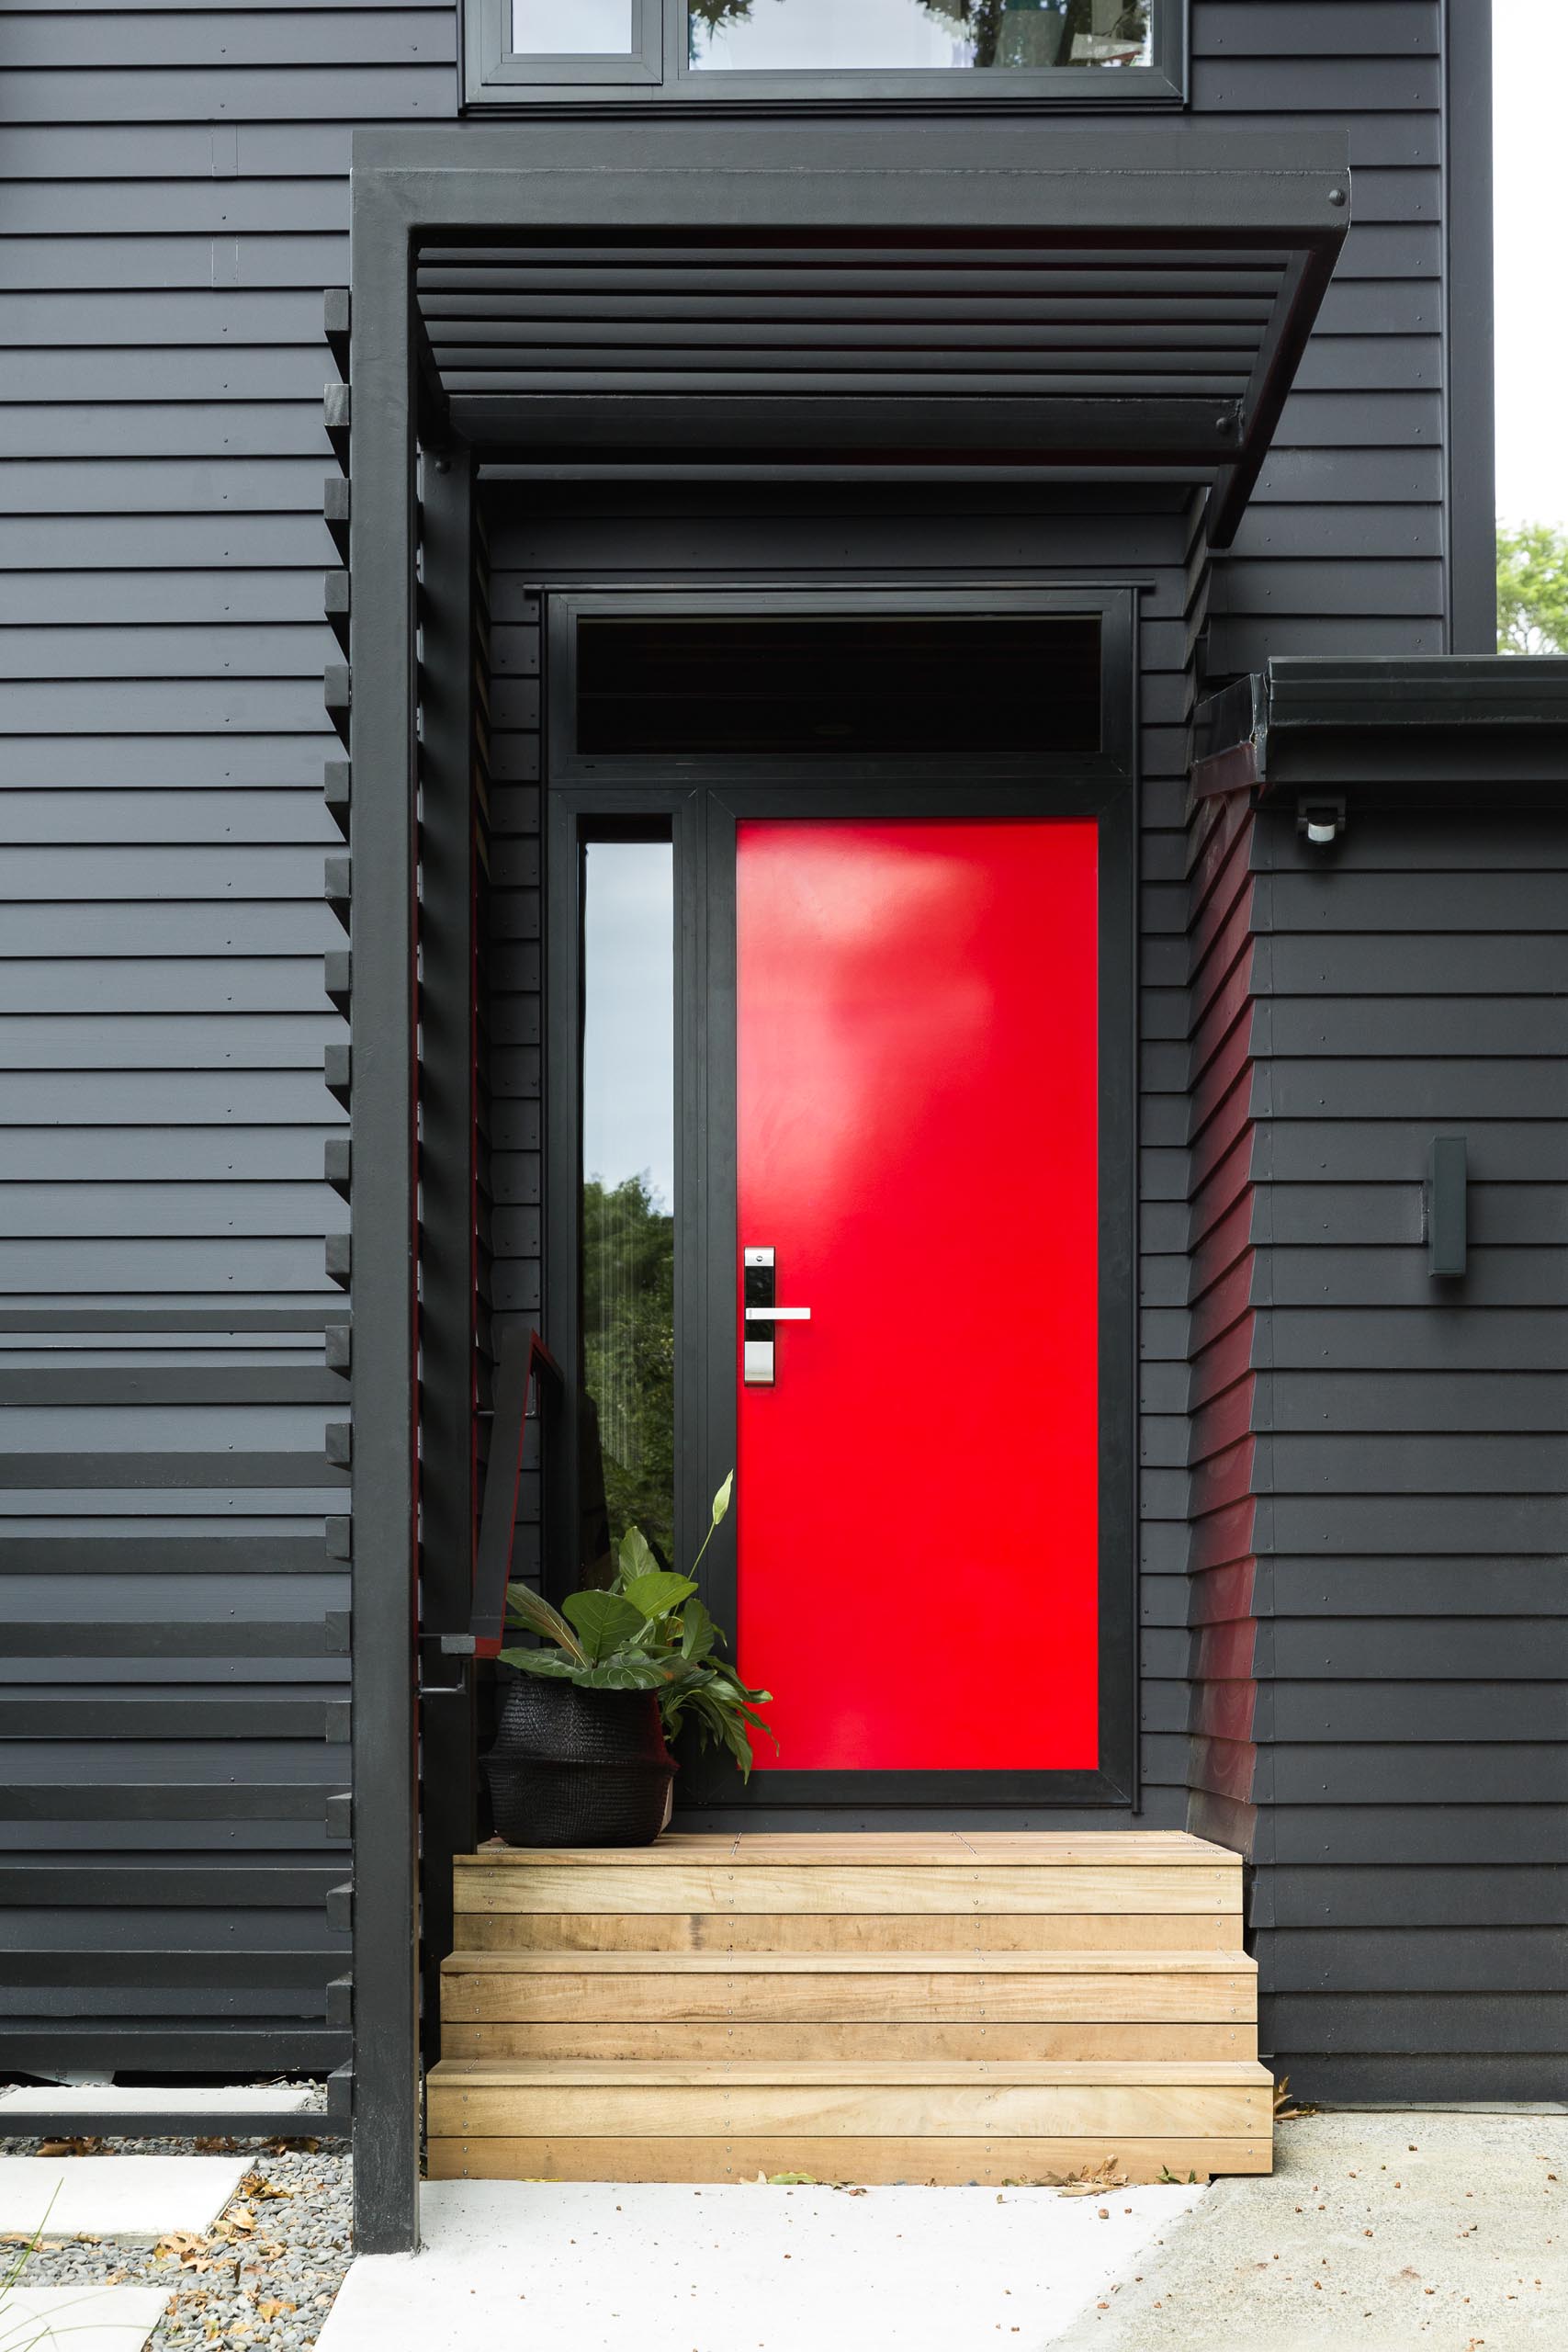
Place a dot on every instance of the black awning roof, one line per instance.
(885, 297)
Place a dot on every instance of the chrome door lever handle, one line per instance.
(758, 1315)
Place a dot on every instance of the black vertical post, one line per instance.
(381, 645)
(446, 1205)
(1468, 340)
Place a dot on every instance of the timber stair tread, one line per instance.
(724, 2074)
(1214, 1961)
(1022, 1849)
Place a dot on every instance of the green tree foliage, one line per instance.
(1002, 33)
(628, 1334)
(1036, 32)
(1532, 590)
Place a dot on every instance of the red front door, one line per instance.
(917, 1497)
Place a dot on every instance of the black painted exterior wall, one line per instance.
(174, 207)
(1381, 1620)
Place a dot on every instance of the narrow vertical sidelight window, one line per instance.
(628, 1435)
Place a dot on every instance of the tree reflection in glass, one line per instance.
(808, 36)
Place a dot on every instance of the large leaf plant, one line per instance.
(646, 1631)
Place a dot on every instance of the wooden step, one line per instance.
(916, 2119)
(824, 1932)
(923, 2005)
(855, 1893)
(772, 2005)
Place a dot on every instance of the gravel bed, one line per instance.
(266, 2273)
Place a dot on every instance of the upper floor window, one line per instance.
(523, 52)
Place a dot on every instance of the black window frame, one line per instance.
(495, 76)
(1112, 608)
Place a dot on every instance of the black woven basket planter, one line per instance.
(577, 1768)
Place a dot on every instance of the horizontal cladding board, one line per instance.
(192, 816)
(148, 651)
(1377, 1960)
(1388, 1895)
(177, 373)
(159, 429)
(1466, 965)
(367, 92)
(1401, 28)
(164, 318)
(111, 547)
(1443, 2027)
(1447, 1089)
(1446, 1837)
(1504, 1401)
(1284, 85)
(118, 1211)
(1346, 1463)
(1331, 477)
(1471, 1713)
(160, 486)
(1413, 1025)
(146, 266)
(1255, 578)
(153, 204)
(180, 1041)
(305, 37)
(1406, 1526)
(1371, 1772)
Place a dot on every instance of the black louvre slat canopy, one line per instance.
(1088, 304)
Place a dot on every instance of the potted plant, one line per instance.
(581, 1755)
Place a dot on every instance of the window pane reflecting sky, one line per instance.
(1529, 77)
(628, 1046)
(571, 27)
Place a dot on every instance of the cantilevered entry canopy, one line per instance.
(873, 297)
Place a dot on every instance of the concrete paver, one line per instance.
(1377, 2232)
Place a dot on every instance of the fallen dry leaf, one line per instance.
(274, 2309)
(74, 2148)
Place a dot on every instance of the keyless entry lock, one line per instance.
(760, 1315)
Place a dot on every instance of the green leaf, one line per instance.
(658, 1592)
(636, 1556)
(544, 1662)
(628, 1669)
(721, 1500)
(525, 1607)
(698, 1632)
(603, 1620)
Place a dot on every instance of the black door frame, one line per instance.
(701, 802)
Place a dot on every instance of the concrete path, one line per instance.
(1377, 2232)
(586, 2267)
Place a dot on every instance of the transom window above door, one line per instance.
(837, 51)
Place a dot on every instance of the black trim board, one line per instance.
(1469, 727)
(1470, 328)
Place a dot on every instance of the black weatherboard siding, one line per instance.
(176, 199)
(1380, 1514)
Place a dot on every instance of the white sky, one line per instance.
(628, 1046)
(1530, 72)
